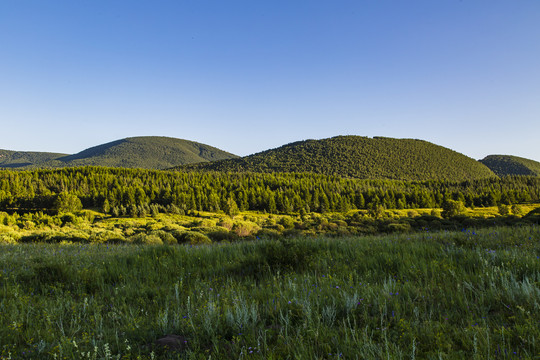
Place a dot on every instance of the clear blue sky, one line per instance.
(250, 75)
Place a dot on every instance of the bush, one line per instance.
(106, 236)
(9, 238)
(517, 210)
(66, 202)
(179, 234)
(452, 208)
(196, 238)
(287, 222)
(153, 225)
(70, 218)
(245, 228)
(398, 227)
(165, 237)
(146, 239)
(504, 210)
(436, 213)
(226, 223)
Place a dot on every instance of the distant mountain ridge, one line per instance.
(18, 159)
(359, 157)
(345, 156)
(504, 165)
(150, 152)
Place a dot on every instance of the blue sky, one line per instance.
(250, 75)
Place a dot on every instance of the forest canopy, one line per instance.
(117, 190)
(359, 157)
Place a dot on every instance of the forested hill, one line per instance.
(18, 159)
(148, 152)
(504, 165)
(359, 157)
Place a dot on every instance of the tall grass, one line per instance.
(450, 295)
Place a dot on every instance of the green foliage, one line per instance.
(231, 208)
(21, 159)
(139, 193)
(359, 157)
(504, 210)
(166, 237)
(148, 239)
(69, 218)
(505, 165)
(195, 238)
(517, 210)
(66, 202)
(452, 208)
(150, 152)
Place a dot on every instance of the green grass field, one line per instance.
(470, 294)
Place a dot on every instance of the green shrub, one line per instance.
(245, 228)
(153, 225)
(286, 222)
(165, 237)
(452, 208)
(146, 239)
(226, 223)
(179, 235)
(70, 218)
(106, 236)
(9, 238)
(196, 238)
(398, 227)
(66, 202)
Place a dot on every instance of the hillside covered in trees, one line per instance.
(19, 159)
(135, 191)
(504, 165)
(359, 157)
(148, 152)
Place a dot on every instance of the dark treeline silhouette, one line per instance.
(123, 191)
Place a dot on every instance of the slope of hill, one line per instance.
(20, 159)
(150, 152)
(503, 165)
(359, 157)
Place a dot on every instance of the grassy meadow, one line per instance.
(427, 295)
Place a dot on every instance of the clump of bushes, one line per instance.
(166, 238)
(146, 239)
(9, 238)
(195, 238)
(245, 228)
(106, 236)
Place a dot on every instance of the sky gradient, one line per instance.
(246, 76)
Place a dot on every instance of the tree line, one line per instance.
(123, 191)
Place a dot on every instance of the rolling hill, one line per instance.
(149, 152)
(359, 157)
(20, 159)
(504, 165)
